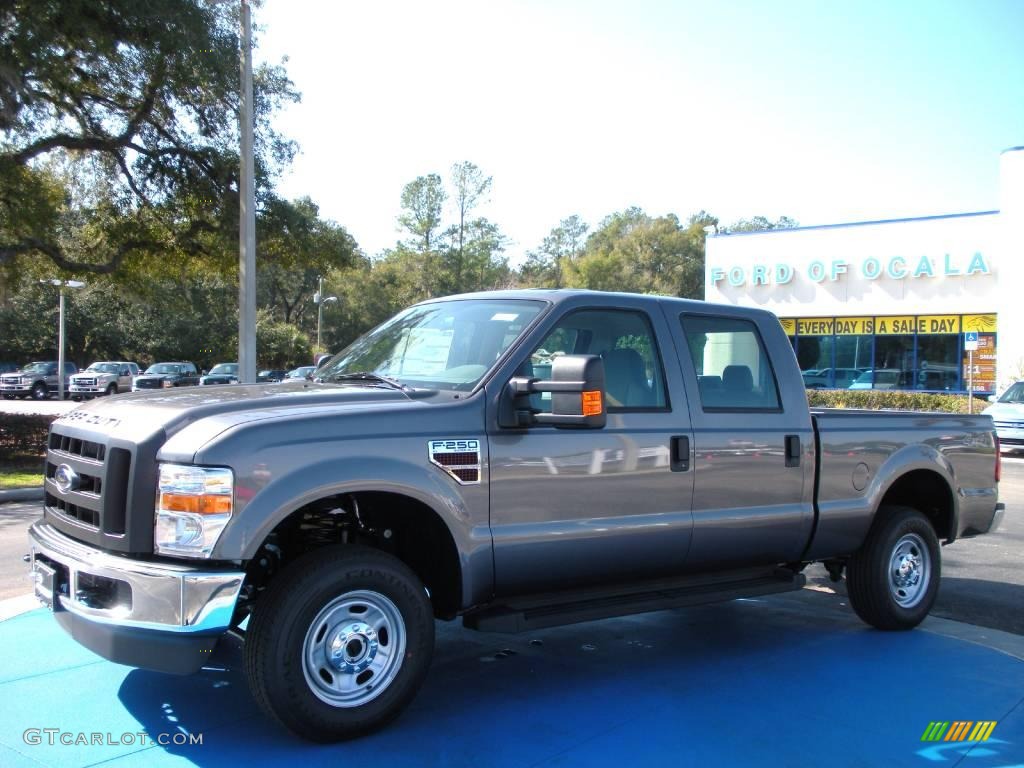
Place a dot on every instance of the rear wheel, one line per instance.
(894, 579)
(340, 643)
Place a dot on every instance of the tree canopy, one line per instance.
(118, 129)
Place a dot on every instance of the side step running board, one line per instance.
(529, 612)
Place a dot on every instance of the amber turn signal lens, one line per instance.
(592, 405)
(206, 504)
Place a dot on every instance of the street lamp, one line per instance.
(61, 284)
(319, 299)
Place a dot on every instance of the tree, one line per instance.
(470, 186)
(760, 224)
(138, 101)
(297, 247)
(422, 202)
(544, 265)
(632, 251)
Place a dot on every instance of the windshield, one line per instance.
(38, 368)
(225, 369)
(103, 368)
(864, 378)
(1015, 394)
(300, 372)
(164, 368)
(448, 344)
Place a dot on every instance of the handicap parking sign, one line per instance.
(970, 341)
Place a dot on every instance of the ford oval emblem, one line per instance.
(66, 479)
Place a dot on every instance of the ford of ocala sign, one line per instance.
(870, 268)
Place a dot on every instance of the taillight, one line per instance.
(999, 461)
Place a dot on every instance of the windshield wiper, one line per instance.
(368, 376)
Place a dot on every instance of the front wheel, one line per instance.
(894, 579)
(340, 643)
(112, 390)
(39, 391)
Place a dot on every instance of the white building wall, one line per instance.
(959, 264)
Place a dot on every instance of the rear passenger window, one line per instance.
(733, 371)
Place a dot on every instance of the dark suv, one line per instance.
(35, 380)
(161, 375)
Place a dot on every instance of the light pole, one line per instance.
(319, 299)
(60, 332)
(247, 214)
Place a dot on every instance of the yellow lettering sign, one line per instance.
(815, 326)
(854, 326)
(938, 324)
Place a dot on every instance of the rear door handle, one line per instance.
(680, 453)
(792, 450)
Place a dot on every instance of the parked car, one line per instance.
(672, 461)
(271, 374)
(222, 373)
(162, 375)
(837, 378)
(884, 378)
(1007, 411)
(105, 378)
(302, 372)
(36, 380)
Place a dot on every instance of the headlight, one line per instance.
(193, 505)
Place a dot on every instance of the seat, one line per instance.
(625, 377)
(738, 384)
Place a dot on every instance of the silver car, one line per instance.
(1007, 411)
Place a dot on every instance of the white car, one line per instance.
(105, 378)
(884, 378)
(1007, 411)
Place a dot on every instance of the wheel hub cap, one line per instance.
(909, 571)
(353, 647)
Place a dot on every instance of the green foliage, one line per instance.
(23, 436)
(632, 251)
(544, 265)
(422, 201)
(119, 131)
(888, 399)
(280, 344)
(760, 224)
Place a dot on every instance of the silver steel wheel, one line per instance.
(354, 649)
(910, 570)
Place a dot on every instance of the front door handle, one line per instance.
(680, 453)
(792, 450)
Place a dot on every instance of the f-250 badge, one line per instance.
(459, 458)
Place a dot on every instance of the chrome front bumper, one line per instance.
(166, 597)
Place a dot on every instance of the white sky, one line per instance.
(822, 112)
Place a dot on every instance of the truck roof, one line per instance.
(603, 298)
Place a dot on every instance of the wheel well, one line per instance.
(399, 525)
(928, 492)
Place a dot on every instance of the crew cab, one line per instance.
(103, 378)
(516, 459)
(36, 380)
(163, 375)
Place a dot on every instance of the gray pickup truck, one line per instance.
(36, 380)
(517, 459)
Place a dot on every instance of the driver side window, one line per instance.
(634, 378)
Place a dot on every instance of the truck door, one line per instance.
(753, 443)
(578, 506)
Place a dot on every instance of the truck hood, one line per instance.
(139, 416)
(1006, 411)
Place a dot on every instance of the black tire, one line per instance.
(76, 398)
(9, 397)
(886, 588)
(39, 391)
(112, 390)
(284, 677)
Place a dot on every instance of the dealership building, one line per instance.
(892, 304)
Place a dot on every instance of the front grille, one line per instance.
(84, 382)
(1009, 424)
(11, 380)
(149, 384)
(97, 479)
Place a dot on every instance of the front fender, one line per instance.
(262, 503)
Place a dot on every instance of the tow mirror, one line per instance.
(577, 395)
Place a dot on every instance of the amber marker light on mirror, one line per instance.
(592, 405)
